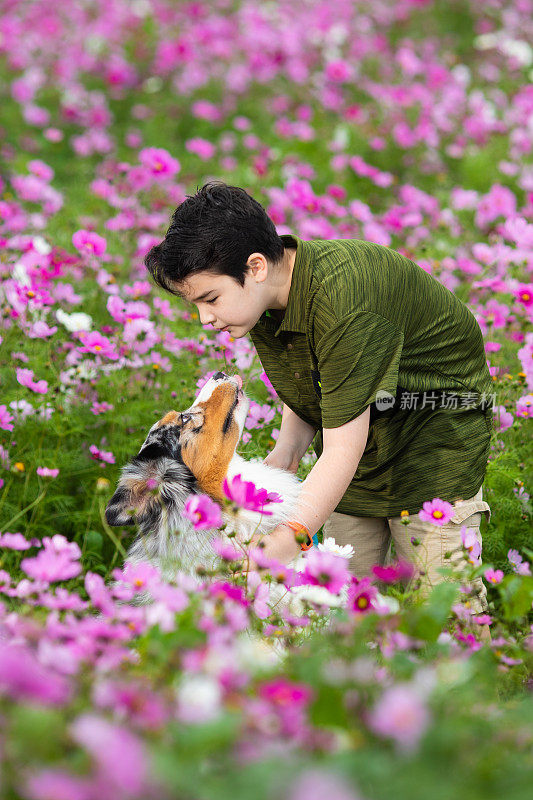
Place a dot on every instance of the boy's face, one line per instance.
(226, 305)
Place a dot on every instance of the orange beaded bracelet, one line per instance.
(298, 528)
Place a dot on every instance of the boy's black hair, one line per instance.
(216, 229)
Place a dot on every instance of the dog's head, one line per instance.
(184, 452)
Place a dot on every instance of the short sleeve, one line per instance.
(357, 357)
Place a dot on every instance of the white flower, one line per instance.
(74, 322)
(41, 245)
(316, 595)
(330, 546)
(199, 699)
(386, 604)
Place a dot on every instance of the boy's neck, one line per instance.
(284, 279)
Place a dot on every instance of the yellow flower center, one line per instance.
(97, 347)
(362, 602)
(438, 514)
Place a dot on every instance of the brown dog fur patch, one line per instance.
(208, 454)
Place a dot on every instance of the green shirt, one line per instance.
(365, 326)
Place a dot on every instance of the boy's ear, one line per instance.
(258, 266)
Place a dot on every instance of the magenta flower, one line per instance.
(101, 455)
(338, 71)
(25, 378)
(202, 511)
(246, 495)
(401, 715)
(394, 573)
(159, 162)
(493, 575)
(46, 472)
(89, 243)
(281, 692)
(323, 568)
(361, 595)
(5, 419)
(436, 511)
(524, 293)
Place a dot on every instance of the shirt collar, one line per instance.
(294, 317)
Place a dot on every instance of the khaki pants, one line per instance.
(371, 538)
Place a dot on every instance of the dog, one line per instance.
(192, 452)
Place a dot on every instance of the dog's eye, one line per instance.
(185, 418)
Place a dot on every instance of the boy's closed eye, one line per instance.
(213, 299)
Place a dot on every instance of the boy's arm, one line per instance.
(294, 438)
(324, 486)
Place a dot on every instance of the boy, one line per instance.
(369, 354)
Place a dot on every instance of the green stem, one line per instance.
(20, 513)
(108, 530)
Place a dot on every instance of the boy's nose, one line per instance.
(205, 317)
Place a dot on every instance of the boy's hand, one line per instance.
(282, 458)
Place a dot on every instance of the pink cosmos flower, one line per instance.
(41, 169)
(316, 784)
(101, 455)
(41, 330)
(118, 753)
(436, 511)
(203, 512)
(89, 243)
(338, 71)
(499, 202)
(226, 550)
(246, 495)
(23, 678)
(518, 565)
(159, 162)
(493, 575)
(94, 342)
(57, 561)
(471, 543)
(524, 406)
(200, 147)
(25, 378)
(5, 419)
(401, 715)
(503, 419)
(101, 408)
(46, 472)
(361, 595)
(14, 541)
(55, 784)
(323, 568)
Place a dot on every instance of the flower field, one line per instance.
(404, 122)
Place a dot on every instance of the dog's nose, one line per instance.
(239, 381)
(218, 376)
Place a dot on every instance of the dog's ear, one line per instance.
(119, 512)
